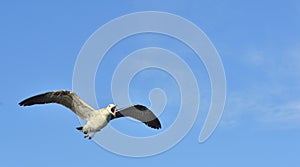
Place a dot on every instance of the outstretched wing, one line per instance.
(66, 98)
(140, 113)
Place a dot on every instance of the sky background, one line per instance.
(258, 42)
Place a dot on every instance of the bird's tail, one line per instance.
(79, 128)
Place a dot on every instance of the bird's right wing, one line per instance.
(66, 98)
(141, 113)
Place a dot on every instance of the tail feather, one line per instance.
(79, 128)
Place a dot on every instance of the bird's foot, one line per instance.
(93, 135)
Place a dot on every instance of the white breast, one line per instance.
(97, 122)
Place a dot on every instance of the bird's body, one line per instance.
(96, 119)
(96, 122)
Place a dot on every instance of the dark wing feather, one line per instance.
(140, 113)
(66, 98)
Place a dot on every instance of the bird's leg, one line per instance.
(93, 135)
(86, 134)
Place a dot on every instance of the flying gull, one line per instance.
(96, 119)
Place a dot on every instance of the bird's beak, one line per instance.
(114, 111)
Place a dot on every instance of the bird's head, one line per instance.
(112, 109)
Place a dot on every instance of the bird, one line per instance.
(96, 119)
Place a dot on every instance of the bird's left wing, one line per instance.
(140, 113)
(66, 98)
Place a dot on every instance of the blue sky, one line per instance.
(258, 42)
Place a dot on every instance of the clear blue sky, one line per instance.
(258, 42)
